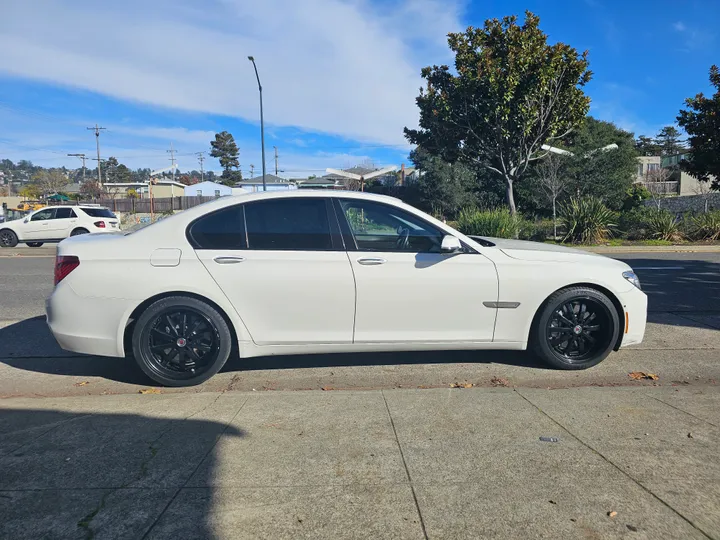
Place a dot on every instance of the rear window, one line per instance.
(98, 212)
(220, 230)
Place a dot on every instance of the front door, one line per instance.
(407, 289)
(38, 226)
(282, 264)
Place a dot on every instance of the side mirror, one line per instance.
(450, 244)
(26, 220)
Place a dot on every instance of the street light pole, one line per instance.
(262, 123)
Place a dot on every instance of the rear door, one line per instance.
(282, 264)
(63, 222)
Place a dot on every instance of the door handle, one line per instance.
(371, 261)
(228, 260)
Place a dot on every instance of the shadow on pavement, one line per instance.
(77, 475)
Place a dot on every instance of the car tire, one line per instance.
(576, 328)
(181, 341)
(79, 231)
(8, 239)
(34, 244)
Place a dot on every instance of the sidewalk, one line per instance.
(437, 463)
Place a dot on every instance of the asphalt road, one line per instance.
(682, 343)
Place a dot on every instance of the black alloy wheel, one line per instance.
(577, 328)
(181, 341)
(8, 239)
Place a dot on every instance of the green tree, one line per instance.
(442, 188)
(512, 94)
(701, 121)
(606, 174)
(227, 152)
(49, 181)
(30, 191)
(647, 146)
(668, 139)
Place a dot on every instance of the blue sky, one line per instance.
(339, 76)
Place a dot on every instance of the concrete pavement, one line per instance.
(438, 463)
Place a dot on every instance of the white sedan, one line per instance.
(316, 272)
(55, 223)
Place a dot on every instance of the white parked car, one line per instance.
(55, 223)
(314, 272)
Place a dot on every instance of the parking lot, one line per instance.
(378, 446)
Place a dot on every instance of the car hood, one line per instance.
(537, 251)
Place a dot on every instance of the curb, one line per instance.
(652, 249)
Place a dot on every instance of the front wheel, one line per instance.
(576, 328)
(181, 341)
(34, 244)
(8, 239)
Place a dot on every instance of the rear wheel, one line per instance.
(577, 328)
(8, 239)
(34, 244)
(181, 341)
(79, 231)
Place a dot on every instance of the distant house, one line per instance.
(272, 183)
(208, 189)
(163, 188)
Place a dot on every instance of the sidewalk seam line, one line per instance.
(407, 470)
(200, 462)
(682, 410)
(611, 463)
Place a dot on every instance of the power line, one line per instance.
(83, 158)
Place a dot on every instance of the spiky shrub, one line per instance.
(498, 223)
(706, 226)
(586, 220)
(663, 225)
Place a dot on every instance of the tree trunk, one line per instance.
(509, 197)
(554, 223)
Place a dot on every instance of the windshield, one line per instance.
(98, 212)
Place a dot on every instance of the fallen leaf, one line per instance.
(632, 528)
(461, 385)
(641, 375)
(612, 514)
(499, 381)
(552, 502)
(82, 383)
(149, 391)
(690, 436)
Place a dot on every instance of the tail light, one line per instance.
(64, 264)
(99, 224)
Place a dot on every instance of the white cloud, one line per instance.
(345, 67)
(191, 136)
(679, 26)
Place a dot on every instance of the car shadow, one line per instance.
(75, 473)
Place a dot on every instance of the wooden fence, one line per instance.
(133, 205)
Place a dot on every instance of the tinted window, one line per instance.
(64, 213)
(220, 230)
(42, 215)
(288, 224)
(98, 212)
(381, 227)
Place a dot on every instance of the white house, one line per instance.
(207, 189)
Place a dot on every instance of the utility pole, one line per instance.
(172, 159)
(252, 170)
(81, 156)
(201, 158)
(276, 160)
(97, 130)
